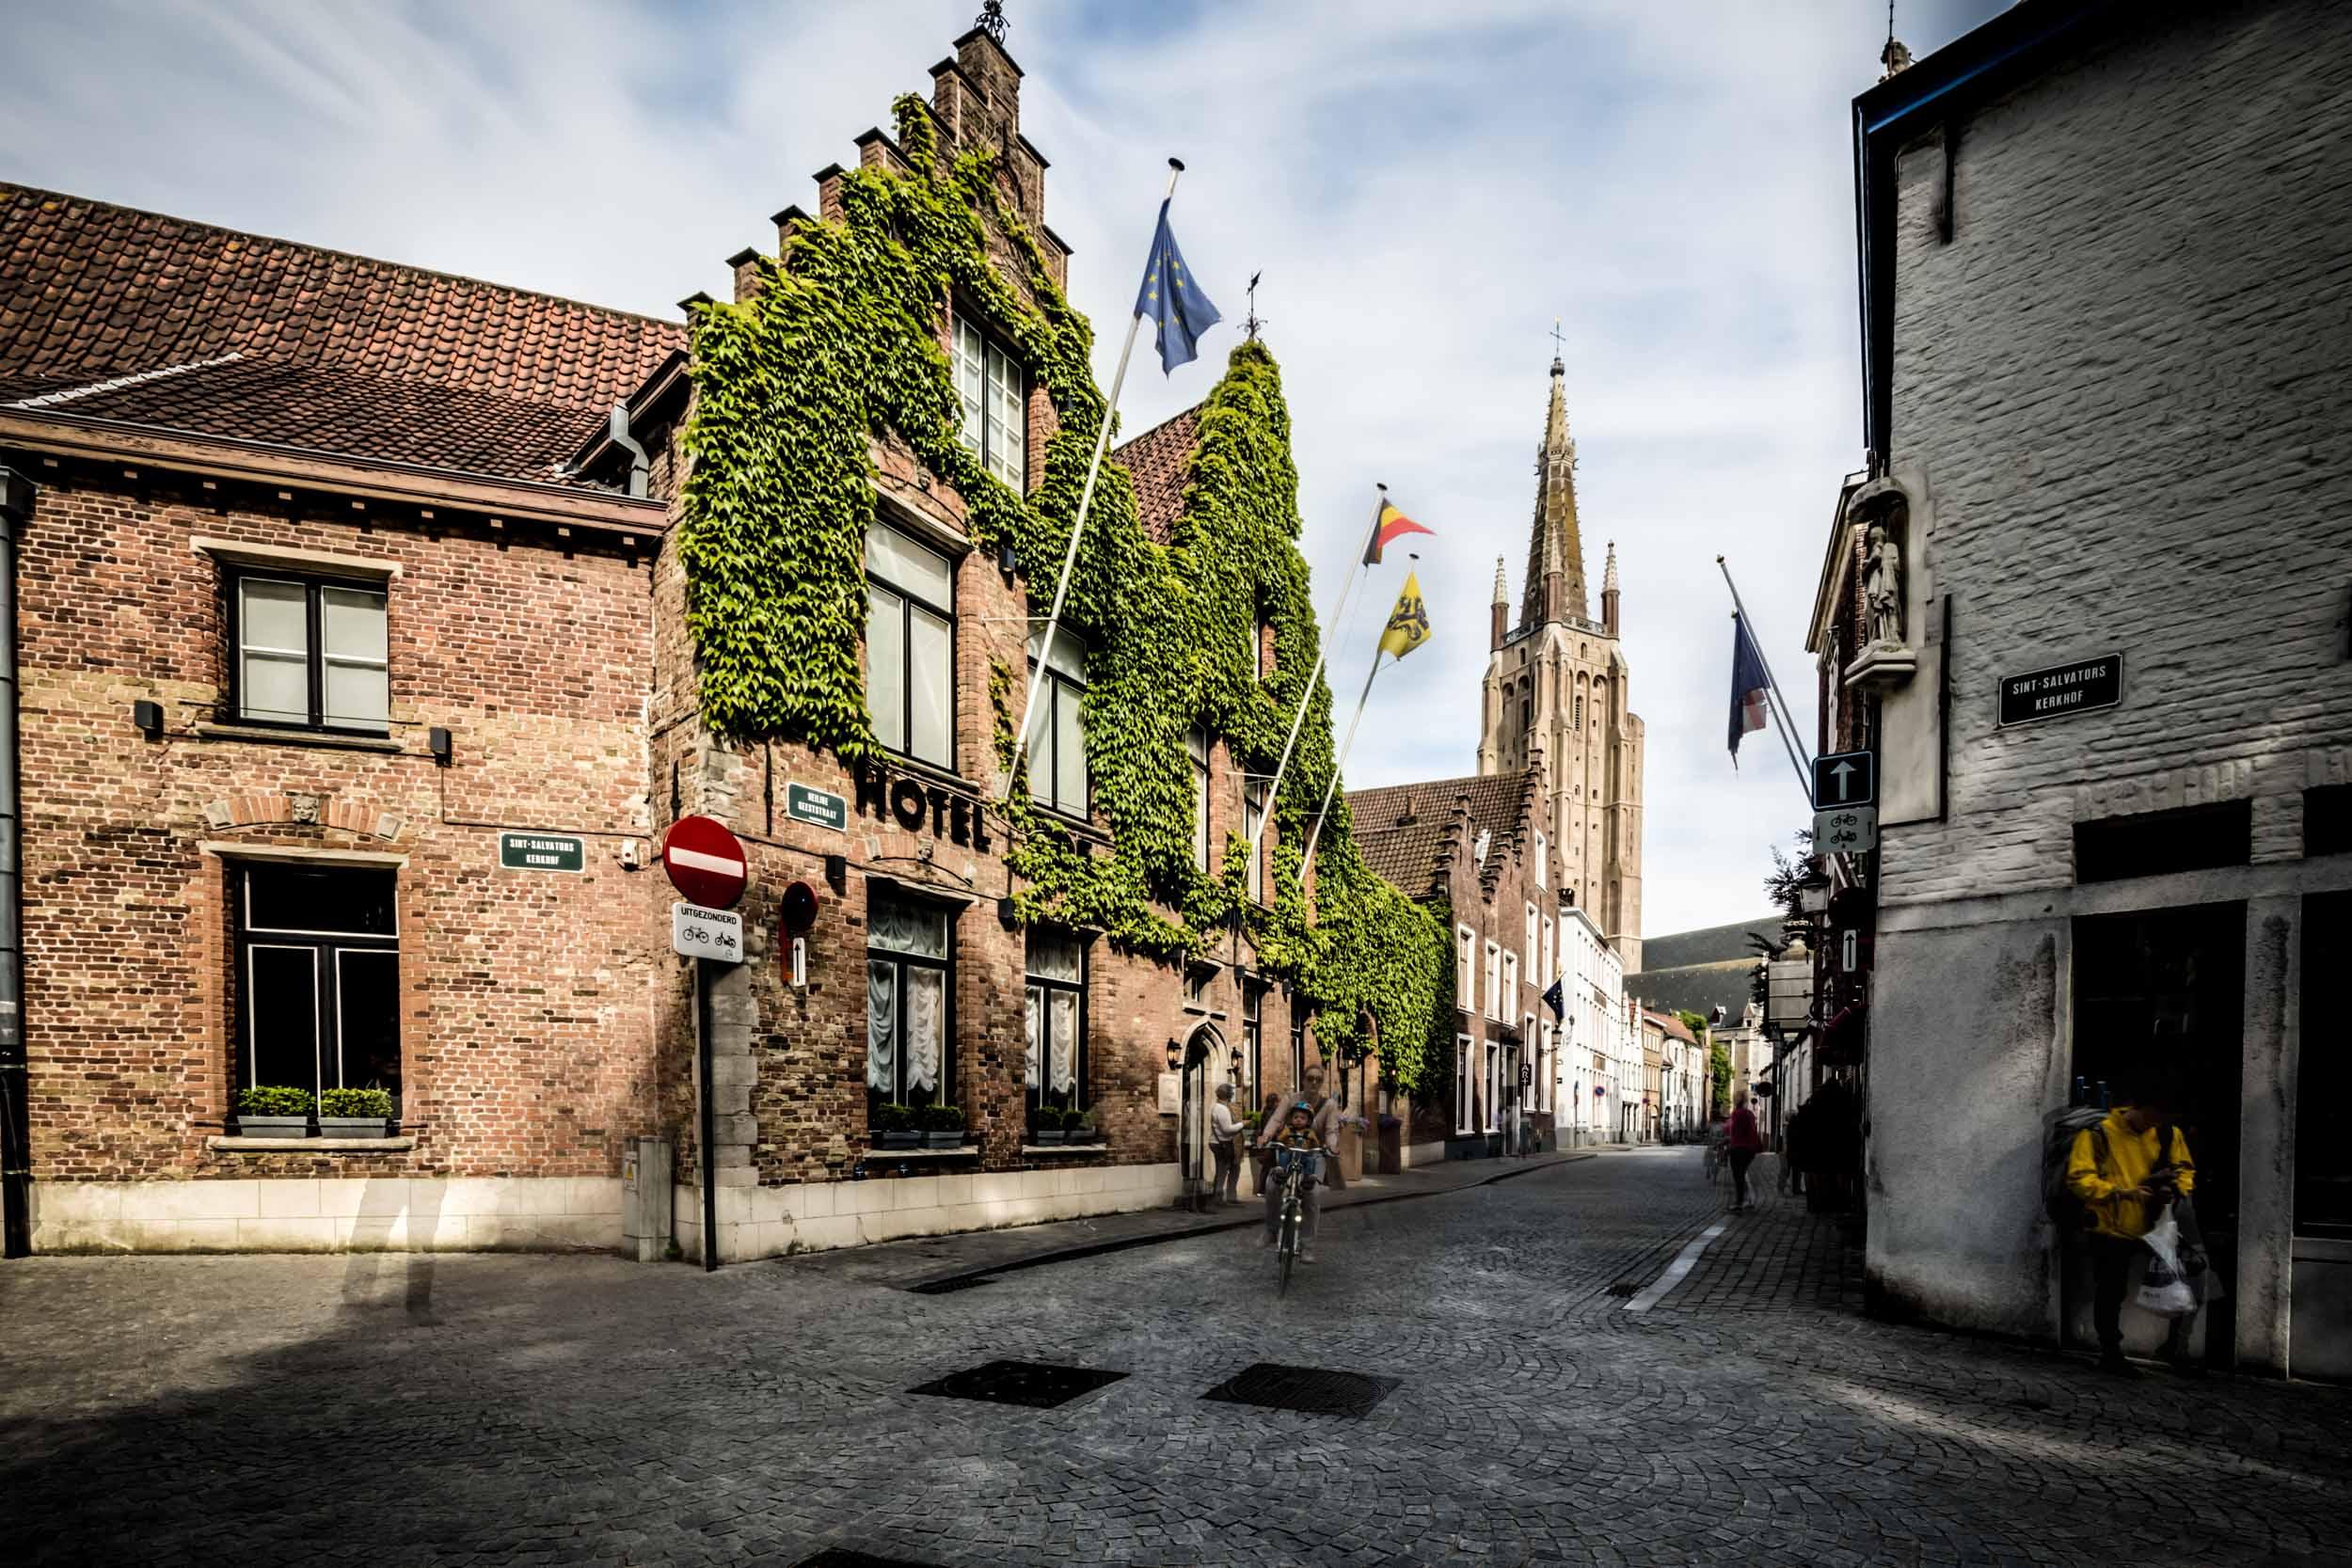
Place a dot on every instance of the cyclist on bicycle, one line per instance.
(1305, 1130)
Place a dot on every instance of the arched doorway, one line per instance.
(1205, 1065)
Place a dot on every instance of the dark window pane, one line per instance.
(2154, 843)
(2322, 1156)
(2328, 820)
(306, 898)
(283, 1008)
(367, 1022)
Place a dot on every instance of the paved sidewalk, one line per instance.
(928, 1263)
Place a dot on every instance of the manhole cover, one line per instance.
(1308, 1389)
(942, 1287)
(834, 1557)
(1624, 1286)
(1038, 1385)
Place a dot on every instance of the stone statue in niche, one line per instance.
(1883, 584)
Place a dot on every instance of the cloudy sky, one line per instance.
(1424, 186)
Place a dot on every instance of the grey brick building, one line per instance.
(2107, 365)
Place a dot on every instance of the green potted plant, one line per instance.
(1045, 1125)
(355, 1112)
(273, 1111)
(894, 1128)
(943, 1126)
(1077, 1126)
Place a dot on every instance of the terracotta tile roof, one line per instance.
(1671, 1026)
(374, 359)
(1399, 828)
(1161, 461)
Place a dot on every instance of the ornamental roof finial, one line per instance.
(1502, 591)
(992, 21)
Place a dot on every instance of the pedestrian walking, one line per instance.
(1743, 1141)
(1224, 1133)
(2128, 1172)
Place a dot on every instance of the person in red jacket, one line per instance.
(1744, 1141)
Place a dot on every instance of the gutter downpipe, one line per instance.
(16, 1154)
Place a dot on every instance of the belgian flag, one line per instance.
(1388, 524)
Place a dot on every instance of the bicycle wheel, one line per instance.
(1288, 1247)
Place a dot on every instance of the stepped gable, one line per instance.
(1399, 829)
(213, 332)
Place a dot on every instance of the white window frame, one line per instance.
(316, 658)
(1543, 858)
(1061, 692)
(1254, 801)
(910, 603)
(1463, 1066)
(1509, 996)
(1548, 972)
(1494, 980)
(1532, 921)
(1466, 969)
(991, 403)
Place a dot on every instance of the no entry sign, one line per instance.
(705, 861)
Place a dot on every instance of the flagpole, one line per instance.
(1774, 702)
(1077, 524)
(1338, 760)
(1323, 650)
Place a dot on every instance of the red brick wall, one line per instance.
(525, 996)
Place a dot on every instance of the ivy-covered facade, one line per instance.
(876, 450)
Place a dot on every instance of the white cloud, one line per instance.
(1426, 188)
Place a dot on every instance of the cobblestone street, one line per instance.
(420, 1409)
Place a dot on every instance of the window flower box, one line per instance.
(894, 1128)
(273, 1111)
(943, 1126)
(356, 1114)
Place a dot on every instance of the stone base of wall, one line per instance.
(818, 1216)
(1422, 1154)
(545, 1214)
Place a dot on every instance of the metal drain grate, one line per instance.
(837, 1557)
(1308, 1389)
(1038, 1385)
(943, 1287)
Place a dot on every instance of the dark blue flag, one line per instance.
(1748, 686)
(1172, 298)
(1553, 1000)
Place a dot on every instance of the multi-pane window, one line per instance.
(1543, 859)
(1058, 742)
(1510, 992)
(911, 645)
(1254, 802)
(1253, 1042)
(1466, 969)
(1494, 980)
(312, 654)
(1465, 1068)
(1196, 742)
(1534, 974)
(318, 977)
(994, 411)
(1055, 1067)
(907, 960)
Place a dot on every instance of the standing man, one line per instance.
(1743, 1143)
(2128, 1171)
(1224, 1147)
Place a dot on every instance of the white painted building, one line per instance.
(2107, 373)
(1599, 1060)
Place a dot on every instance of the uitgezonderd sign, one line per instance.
(2062, 689)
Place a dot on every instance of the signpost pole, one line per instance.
(708, 1122)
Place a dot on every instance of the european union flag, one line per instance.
(1173, 299)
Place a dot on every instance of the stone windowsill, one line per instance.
(883, 1156)
(266, 736)
(1065, 1149)
(310, 1146)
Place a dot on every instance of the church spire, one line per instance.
(1555, 552)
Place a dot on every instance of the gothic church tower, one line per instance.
(1555, 689)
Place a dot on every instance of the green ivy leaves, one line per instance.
(840, 349)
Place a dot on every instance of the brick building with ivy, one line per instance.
(375, 626)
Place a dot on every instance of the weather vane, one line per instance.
(1252, 324)
(992, 19)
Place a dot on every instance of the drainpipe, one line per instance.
(640, 465)
(16, 1151)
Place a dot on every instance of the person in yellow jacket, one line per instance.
(2125, 1182)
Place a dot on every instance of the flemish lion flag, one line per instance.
(1388, 525)
(1408, 623)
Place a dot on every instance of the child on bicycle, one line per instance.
(1296, 1139)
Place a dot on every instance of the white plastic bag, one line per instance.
(2163, 1291)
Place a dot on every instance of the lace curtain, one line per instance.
(926, 1017)
(1036, 1020)
(1065, 1052)
(882, 1019)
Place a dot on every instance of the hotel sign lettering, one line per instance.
(920, 807)
(2062, 689)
